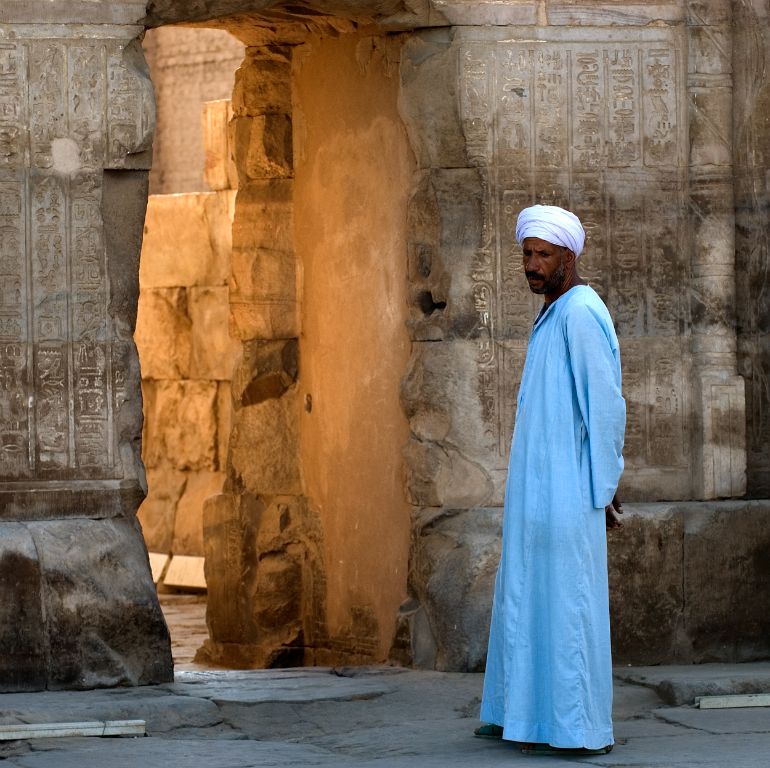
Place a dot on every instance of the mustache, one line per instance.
(535, 275)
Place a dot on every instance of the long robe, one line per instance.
(549, 670)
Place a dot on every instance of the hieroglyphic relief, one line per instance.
(593, 126)
(58, 385)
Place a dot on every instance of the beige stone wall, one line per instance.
(188, 67)
(187, 359)
(353, 171)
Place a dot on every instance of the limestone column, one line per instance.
(76, 115)
(719, 437)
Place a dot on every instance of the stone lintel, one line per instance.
(125, 12)
(56, 501)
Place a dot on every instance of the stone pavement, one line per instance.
(373, 717)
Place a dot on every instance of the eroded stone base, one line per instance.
(689, 583)
(75, 616)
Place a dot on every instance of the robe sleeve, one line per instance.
(595, 364)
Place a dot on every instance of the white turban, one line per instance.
(552, 224)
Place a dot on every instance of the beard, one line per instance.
(551, 285)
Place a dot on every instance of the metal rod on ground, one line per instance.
(21, 731)
(733, 701)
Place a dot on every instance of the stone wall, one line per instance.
(187, 359)
(188, 67)
(647, 119)
(76, 112)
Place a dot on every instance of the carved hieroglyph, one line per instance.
(595, 122)
(76, 116)
(70, 106)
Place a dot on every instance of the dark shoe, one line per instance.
(489, 731)
(547, 749)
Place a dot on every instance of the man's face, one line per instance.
(544, 265)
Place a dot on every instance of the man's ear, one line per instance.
(569, 258)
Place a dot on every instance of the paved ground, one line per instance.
(376, 718)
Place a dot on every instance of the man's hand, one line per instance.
(611, 512)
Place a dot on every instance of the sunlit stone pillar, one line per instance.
(719, 437)
(76, 115)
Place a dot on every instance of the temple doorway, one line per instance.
(272, 331)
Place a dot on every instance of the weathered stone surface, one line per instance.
(686, 582)
(214, 352)
(454, 560)
(266, 590)
(189, 67)
(645, 562)
(23, 640)
(267, 369)
(158, 512)
(453, 459)
(444, 237)
(263, 292)
(84, 618)
(263, 82)
(727, 581)
(187, 240)
(429, 101)
(188, 522)
(220, 171)
(224, 422)
(263, 446)
(264, 145)
(164, 333)
(181, 424)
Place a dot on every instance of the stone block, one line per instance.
(104, 623)
(263, 217)
(263, 446)
(224, 422)
(263, 146)
(220, 171)
(646, 585)
(187, 240)
(83, 616)
(727, 580)
(267, 369)
(188, 522)
(265, 580)
(486, 12)
(163, 333)
(214, 352)
(711, 125)
(181, 424)
(157, 513)
(263, 82)
(263, 300)
(429, 100)
(453, 458)
(455, 554)
(23, 639)
(445, 236)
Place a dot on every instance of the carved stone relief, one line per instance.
(69, 107)
(592, 122)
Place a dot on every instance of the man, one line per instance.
(548, 681)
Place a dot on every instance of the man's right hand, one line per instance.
(611, 512)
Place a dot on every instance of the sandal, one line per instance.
(547, 749)
(489, 731)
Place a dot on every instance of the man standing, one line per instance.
(548, 681)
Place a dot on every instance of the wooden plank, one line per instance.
(185, 571)
(158, 565)
(733, 701)
(20, 731)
